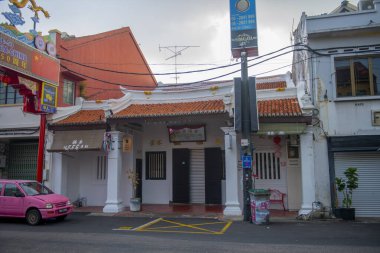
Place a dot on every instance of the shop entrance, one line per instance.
(197, 176)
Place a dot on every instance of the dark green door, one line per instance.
(139, 173)
(181, 175)
(213, 175)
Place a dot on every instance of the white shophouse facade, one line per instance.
(182, 133)
(342, 74)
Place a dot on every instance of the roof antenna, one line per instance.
(177, 51)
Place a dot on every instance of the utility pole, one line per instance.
(177, 51)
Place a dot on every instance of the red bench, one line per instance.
(277, 197)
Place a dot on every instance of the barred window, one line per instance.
(155, 165)
(101, 169)
(267, 166)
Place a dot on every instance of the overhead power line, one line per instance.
(171, 73)
(299, 47)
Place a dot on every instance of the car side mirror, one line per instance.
(19, 195)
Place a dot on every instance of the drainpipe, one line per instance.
(41, 146)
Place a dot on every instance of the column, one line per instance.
(232, 209)
(114, 204)
(307, 170)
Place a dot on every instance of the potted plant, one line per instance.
(346, 186)
(134, 203)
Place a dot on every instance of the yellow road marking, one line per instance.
(226, 227)
(189, 226)
(164, 229)
(123, 228)
(198, 224)
(147, 224)
(181, 232)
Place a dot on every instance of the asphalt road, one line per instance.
(82, 233)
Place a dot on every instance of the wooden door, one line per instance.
(181, 175)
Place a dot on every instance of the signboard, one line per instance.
(49, 98)
(243, 27)
(127, 144)
(247, 162)
(24, 59)
(187, 133)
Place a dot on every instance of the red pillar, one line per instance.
(41, 148)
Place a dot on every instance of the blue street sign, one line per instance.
(246, 162)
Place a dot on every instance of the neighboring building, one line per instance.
(19, 131)
(182, 143)
(341, 72)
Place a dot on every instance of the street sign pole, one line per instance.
(246, 149)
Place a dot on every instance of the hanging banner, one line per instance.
(243, 27)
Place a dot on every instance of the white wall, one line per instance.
(81, 180)
(160, 191)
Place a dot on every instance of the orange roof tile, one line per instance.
(279, 108)
(84, 117)
(171, 109)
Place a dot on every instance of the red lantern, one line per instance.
(277, 140)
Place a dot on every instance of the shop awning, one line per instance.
(72, 141)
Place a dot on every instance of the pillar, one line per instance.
(114, 204)
(232, 209)
(307, 170)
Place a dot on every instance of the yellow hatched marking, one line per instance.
(147, 224)
(189, 226)
(198, 230)
(181, 232)
(199, 224)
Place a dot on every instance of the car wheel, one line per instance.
(61, 218)
(33, 217)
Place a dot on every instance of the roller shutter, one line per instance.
(197, 176)
(366, 199)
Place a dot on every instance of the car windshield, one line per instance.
(35, 188)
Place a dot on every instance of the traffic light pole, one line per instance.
(246, 140)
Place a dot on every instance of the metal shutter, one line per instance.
(197, 176)
(23, 161)
(366, 199)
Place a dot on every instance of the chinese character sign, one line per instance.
(243, 27)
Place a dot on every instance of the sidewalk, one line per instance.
(181, 211)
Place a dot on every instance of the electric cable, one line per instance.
(171, 73)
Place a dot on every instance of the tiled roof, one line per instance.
(266, 108)
(271, 85)
(279, 108)
(84, 117)
(172, 109)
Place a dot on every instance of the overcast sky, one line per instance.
(203, 23)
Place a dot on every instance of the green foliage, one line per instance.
(347, 185)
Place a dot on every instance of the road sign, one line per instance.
(247, 162)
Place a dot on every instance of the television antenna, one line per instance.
(177, 51)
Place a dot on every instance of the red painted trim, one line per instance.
(41, 148)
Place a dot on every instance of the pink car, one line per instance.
(31, 200)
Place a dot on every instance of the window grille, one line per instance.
(155, 164)
(267, 166)
(101, 170)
